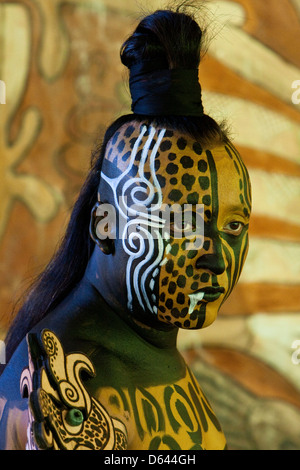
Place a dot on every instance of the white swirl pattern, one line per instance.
(142, 221)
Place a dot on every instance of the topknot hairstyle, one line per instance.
(171, 38)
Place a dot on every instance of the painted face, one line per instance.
(178, 276)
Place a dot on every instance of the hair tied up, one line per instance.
(163, 56)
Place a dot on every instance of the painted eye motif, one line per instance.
(234, 228)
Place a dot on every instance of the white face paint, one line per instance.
(194, 299)
(140, 226)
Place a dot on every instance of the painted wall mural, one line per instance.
(59, 61)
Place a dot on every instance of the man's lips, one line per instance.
(211, 290)
(209, 293)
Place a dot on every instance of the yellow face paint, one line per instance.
(195, 283)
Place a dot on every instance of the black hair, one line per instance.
(170, 36)
(175, 39)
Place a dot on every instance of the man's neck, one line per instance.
(148, 327)
(135, 352)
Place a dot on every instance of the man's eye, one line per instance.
(182, 226)
(234, 228)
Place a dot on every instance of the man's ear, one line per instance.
(106, 245)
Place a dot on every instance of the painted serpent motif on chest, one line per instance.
(63, 416)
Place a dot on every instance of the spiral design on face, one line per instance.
(138, 240)
(134, 244)
(137, 274)
(135, 189)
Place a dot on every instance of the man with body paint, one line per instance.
(98, 367)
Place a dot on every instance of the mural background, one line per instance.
(64, 83)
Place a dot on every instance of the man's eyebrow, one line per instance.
(239, 209)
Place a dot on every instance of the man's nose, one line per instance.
(211, 259)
